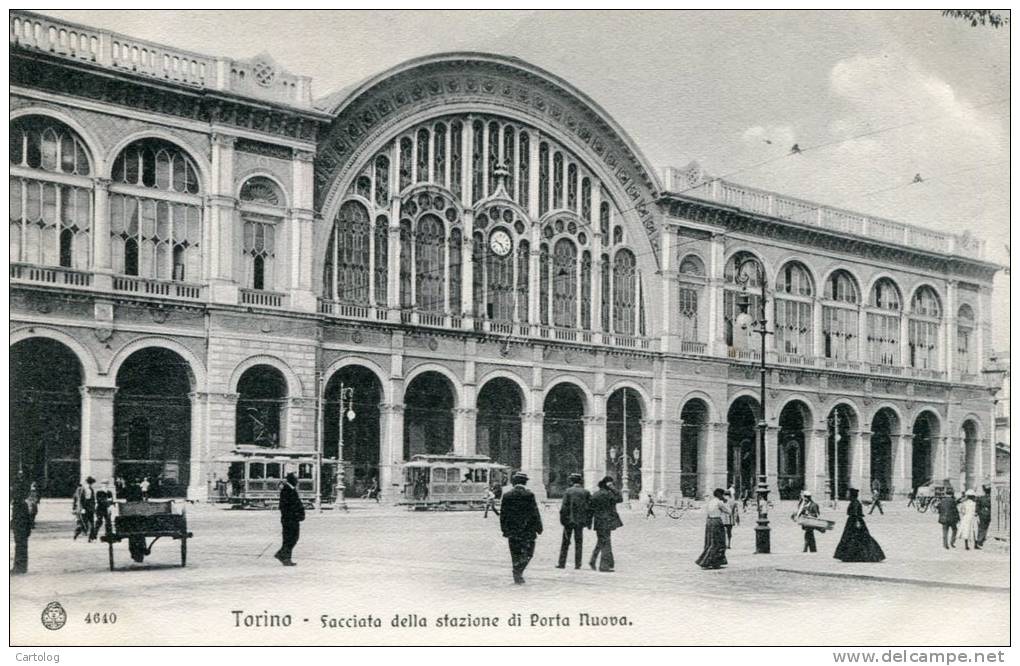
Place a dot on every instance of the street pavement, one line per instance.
(379, 561)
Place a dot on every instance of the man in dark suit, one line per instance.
(604, 520)
(575, 515)
(21, 526)
(949, 517)
(521, 524)
(292, 512)
(984, 514)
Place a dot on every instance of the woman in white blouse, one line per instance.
(714, 554)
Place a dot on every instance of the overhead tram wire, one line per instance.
(799, 151)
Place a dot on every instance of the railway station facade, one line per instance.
(465, 253)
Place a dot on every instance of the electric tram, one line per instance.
(450, 482)
(251, 478)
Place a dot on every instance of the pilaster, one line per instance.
(97, 431)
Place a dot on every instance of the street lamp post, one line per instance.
(346, 410)
(625, 463)
(762, 531)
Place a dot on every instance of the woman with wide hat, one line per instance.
(857, 545)
(714, 554)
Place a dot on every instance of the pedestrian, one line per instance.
(104, 500)
(21, 526)
(876, 497)
(85, 509)
(650, 513)
(604, 520)
(133, 492)
(292, 512)
(968, 519)
(807, 508)
(734, 506)
(521, 524)
(911, 497)
(984, 514)
(144, 485)
(119, 486)
(373, 490)
(856, 544)
(714, 554)
(949, 518)
(744, 497)
(727, 519)
(575, 515)
(33, 503)
(490, 501)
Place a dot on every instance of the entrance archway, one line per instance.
(970, 455)
(361, 446)
(693, 443)
(152, 421)
(884, 426)
(926, 430)
(623, 438)
(741, 450)
(260, 416)
(562, 437)
(842, 421)
(45, 427)
(498, 429)
(791, 454)
(428, 415)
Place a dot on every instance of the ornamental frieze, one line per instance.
(434, 85)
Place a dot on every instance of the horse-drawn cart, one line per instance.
(139, 521)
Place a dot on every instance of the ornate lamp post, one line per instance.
(762, 531)
(346, 410)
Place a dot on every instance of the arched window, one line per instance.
(604, 221)
(439, 155)
(557, 181)
(406, 269)
(456, 250)
(500, 284)
(382, 181)
(572, 187)
(586, 290)
(840, 317)
(923, 329)
(964, 340)
(586, 199)
(523, 169)
(493, 156)
(883, 323)
(350, 253)
(259, 250)
(607, 292)
(543, 178)
(258, 245)
(692, 284)
(508, 157)
(382, 243)
(740, 266)
(794, 310)
(406, 151)
(50, 221)
(564, 282)
(478, 273)
(422, 170)
(154, 203)
(261, 190)
(456, 160)
(477, 148)
(625, 293)
(543, 286)
(523, 282)
(430, 262)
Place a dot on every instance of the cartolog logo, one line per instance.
(53, 616)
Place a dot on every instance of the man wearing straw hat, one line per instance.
(808, 508)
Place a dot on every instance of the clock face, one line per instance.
(500, 242)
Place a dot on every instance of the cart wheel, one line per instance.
(184, 551)
(673, 512)
(111, 555)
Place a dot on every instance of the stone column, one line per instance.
(669, 463)
(534, 462)
(597, 465)
(464, 419)
(222, 207)
(860, 471)
(815, 449)
(97, 431)
(712, 462)
(716, 332)
(393, 262)
(102, 266)
(948, 333)
(201, 467)
(771, 461)
(903, 474)
(302, 237)
(467, 273)
(391, 450)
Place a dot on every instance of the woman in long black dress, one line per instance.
(857, 545)
(714, 554)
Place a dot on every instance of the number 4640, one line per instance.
(100, 618)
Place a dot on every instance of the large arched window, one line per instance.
(691, 278)
(51, 197)
(840, 317)
(456, 253)
(794, 310)
(430, 260)
(923, 329)
(406, 267)
(883, 323)
(261, 214)
(349, 252)
(564, 283)
(156, 213)
(382, 244)
(965, 340)
(625, 293)
(740, 266)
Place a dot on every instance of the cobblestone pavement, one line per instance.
(384, 561)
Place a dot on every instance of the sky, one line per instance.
(891, 94)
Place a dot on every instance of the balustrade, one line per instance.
(262, 299)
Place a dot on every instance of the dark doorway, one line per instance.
(45, 428)
(362, 393)
(741, 447)
(842, 421)
(152, 421)
(922, 463)
(428, 415)
(562, 437)
(498, 429)
(693, 440)
(790, 457)
(623, 439)
(261, 402)
(884, 426)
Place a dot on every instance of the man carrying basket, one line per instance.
(807, 514)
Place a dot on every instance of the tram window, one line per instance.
(273, 471)
(481, 475)
(304, 471)
(256, 470)
(439, 475)
(236, 471)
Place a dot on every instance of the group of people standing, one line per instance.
(91, 507)
(580, 509)
(969, 517)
